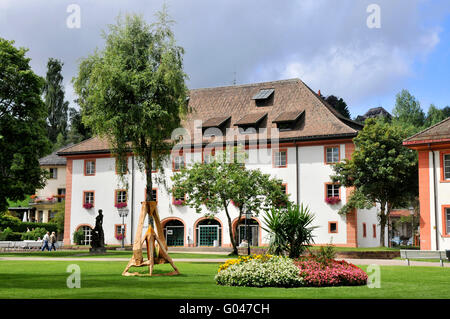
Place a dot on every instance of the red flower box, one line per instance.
(119, 236)
(88, 205)
(121, 205)
(332, 200)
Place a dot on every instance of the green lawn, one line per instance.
(109, 254)
(47, 279)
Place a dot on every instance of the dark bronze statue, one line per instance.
(98, 237)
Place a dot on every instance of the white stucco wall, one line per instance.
(313, 173)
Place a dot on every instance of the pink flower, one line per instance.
(88, 205)
(121, 205)
(332, 200)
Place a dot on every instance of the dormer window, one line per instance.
(263, 94)
(286, 121)
(264, 97)
(212, 126)
(249, 123)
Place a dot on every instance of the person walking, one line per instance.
(46, 240)
(53, 241)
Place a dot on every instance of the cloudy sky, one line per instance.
(326, 43)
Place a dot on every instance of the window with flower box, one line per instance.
(120, 198)
(88, 199)
(120, 231)
(332, 193)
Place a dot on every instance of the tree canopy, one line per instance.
(338, 104)
(216, 185)
(23, 129)
(381, 169)
(57, 108)
(133, 91)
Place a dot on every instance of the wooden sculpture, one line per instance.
(156, 244)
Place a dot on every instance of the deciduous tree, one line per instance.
(381, 169)
(23, 131)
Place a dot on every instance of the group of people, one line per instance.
(49, 239)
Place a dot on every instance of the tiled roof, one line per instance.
(53, 159)
(215, 105)
(434, 134)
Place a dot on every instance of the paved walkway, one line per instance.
(383, 262)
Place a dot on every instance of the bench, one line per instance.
(423, 254)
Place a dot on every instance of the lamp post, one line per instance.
(123, 212)
(248, 215)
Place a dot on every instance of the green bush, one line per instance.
(267, 272)
(290, 229)
(9, 221)
(18, 226)
(34, 234)
(325, 254)
(9, 235)
(22, 227)
(78, 237)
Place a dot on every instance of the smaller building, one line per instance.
(433, 146)
(44, 202)
(374, 113)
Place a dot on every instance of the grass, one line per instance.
(47, 279)
(109, 254)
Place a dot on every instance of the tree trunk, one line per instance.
(236, 228)
(149, 180)
(382, 223)
(233, 243)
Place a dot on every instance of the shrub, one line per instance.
(273, 271)
(78, 237)
(290, 230)
(34, 234)
(23, 226)
(325, 254)
(9, 221)
(335, 273)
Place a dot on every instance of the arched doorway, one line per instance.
(174, 232)
(87, 230)
(253, 231)
(208, 232)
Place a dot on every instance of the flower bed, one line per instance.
(331, 273)
(272, 271)
(275, 271)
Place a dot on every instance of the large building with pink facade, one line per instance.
(286, 130)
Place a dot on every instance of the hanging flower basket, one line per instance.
(121, 205)
(332, 200)
(88, 205)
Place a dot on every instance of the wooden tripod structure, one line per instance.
(155, 241)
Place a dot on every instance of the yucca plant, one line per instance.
(290, 229)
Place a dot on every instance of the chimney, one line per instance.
(318, 93)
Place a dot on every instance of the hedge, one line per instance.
(18, 226)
